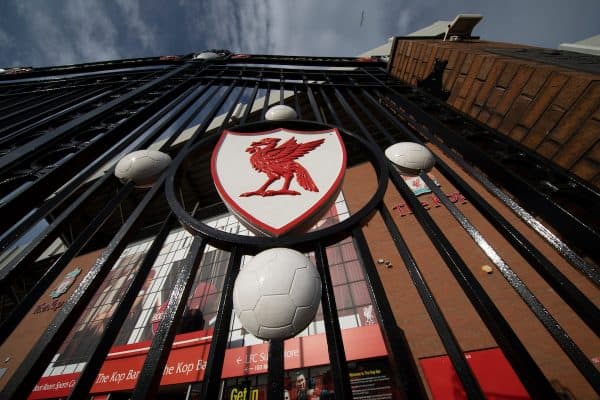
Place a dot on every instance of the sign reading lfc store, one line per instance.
(279, 181)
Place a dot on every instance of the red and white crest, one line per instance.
(279, 181)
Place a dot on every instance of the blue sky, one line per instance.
(42, 33)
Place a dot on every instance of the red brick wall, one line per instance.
(550, 109)
(468, 328)
(16, 347)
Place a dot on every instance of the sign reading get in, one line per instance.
(187, 360)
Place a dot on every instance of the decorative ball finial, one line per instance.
(410, 158)
(142, 167)
(277, 294)
(280, 112)
(206, 55)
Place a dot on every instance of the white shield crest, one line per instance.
(279, 181)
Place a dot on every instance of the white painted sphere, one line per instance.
(410, 157)
(142, 167)
(280, 112)
(207, 55)
(277, 294)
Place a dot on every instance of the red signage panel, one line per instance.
(187, 360)
(54, 386)
(492, 370)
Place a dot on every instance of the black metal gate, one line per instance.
(61, 126)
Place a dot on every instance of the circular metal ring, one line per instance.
(253, 244)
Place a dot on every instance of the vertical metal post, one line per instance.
(275, 379)
(455, 353)
(100, 349)
(57, 266)
(402, 362)
(335, 344)
(531, 376)
(266, 102)
(297, 103)
(211, 384)
(149, 380)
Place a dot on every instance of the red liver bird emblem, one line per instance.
(280, 162)
(264, 179)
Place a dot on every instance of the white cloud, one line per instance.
(75, 31)
(134, 22)
(95, 35)
(308, 27)
(238, 25)
(6, 40)
(79, 31)
(404, 21)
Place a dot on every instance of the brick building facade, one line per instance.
(547, 100)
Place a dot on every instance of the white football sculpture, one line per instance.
(280, 112)
(410, 158)
(142, 167)
(207, 55)
(277, 294)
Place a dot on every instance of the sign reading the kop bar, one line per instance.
(280, 181)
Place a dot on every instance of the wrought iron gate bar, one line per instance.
(36, 246)
(332, 111)
(573, 228)
(249, 104)
(20, 311)
(206, 94)
(455, 353)
(313, 104)
(81, 70)
(514, 236)
(9, 119)
(275, 364)
(580, 360)
(401, 360)
(402, 363)
(302, 61)
(290, 85)
(569, 292)
(478, 133)
(333, 333)
(149, 377)
(297, 103)
(9, 104)
(531, 376)
(117, 87)
(265, 102)
(100, 349)
(51, 180)
(83, 237)
(281, 101)
(48, 85)
(14, 108)
(28, 373)
(18, 156)
(50, 204)
(36, 122)
(211, 384)
(158, 101)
